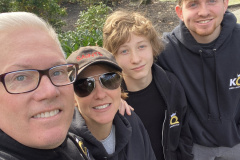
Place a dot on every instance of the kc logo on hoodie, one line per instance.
(235, 82)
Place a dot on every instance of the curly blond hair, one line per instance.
(120, 24)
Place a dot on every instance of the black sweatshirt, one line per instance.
(132, 140)
(176, 136)
(12, 150)
(210, 78)
(150, 107)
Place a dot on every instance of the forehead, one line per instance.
(196, 0)
(187, 1)
(29, 47)
(95, 70)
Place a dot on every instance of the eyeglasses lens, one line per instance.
(23, 81)
(83, 87)
(110, 80)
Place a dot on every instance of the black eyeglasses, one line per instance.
(23, 81)
(84, 87)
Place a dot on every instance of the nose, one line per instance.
(46, 90)
(99, 91)
(203, 10)
(135, 58)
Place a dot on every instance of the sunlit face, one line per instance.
(203, 17)
(33, 49)
(135, 57)
(100, 107)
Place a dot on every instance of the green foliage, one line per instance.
(70, 1)
(93, 18)
(88, 31)
(48, 9)
(72, 40)
(96, 2)
(5, 5)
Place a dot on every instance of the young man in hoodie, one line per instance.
(36, 92)
(204, 53)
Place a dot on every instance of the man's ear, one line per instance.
(178, 10)
(225, 4)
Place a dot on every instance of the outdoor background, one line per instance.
(79, 22)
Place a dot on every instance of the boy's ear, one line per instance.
(178, 10)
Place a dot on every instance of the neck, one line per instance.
(99, 131)
(134, 85)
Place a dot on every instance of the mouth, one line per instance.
(204, 21)
(47, 114)
(138, 68)
(102, 106)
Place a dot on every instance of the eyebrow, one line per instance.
(142, 41)
(191, 0)
(25, 66)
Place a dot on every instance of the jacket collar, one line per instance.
(12, 147)
(123, 135)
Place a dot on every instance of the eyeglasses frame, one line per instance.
(41, 73)
(92, 77)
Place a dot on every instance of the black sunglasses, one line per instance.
(84, 87)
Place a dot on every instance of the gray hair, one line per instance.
(10, 21)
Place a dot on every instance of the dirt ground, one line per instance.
(162, 14)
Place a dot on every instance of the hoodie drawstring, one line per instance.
(217, 86)
(204, 83)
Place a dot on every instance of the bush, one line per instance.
(48, 9)
(88, 31)
(96, 2)
(5, 5)
(72, 40)
(93, 18)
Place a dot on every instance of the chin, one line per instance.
(52, 142)
(105, 120)
(54, 138)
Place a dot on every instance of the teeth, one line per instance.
(102, 107)
(204, 21)
(47, 114)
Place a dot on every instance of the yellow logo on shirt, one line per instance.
(84, 149)
(81, 145)
(174, 120)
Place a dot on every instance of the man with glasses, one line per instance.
(107, 134)
(36, 92)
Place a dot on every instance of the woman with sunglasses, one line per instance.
(107, 134)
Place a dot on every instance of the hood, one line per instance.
(14, 149)
(123, 134)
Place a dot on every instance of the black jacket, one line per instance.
(177, 140)
(211, 81)
(12, 150)
(132, 141)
